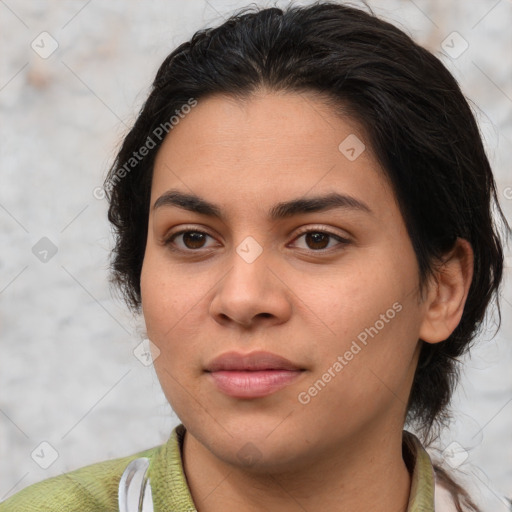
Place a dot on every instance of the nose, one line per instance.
(252, 293)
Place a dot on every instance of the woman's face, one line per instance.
(329, 286)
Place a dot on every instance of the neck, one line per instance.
(366, 473)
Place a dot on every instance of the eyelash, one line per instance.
(169, 241)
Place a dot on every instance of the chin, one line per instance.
(260, 458)
(254, 444)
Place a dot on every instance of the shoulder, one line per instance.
(92, 488)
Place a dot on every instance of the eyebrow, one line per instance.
(301, 205)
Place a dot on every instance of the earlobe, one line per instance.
(447, 293)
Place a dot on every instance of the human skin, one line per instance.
(304, 300)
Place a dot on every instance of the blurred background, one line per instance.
(75, 387)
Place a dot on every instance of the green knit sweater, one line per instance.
(94, 488)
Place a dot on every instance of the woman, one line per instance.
(302, 213)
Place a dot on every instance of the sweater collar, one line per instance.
(173, 493)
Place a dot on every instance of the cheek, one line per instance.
(347, 300)
(167, 314)
(373, 317)
(165, 295)
(173, 309)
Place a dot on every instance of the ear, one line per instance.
(447, 293)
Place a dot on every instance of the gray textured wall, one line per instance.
(68, 375)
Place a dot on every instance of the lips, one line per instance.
(253, 375)
(233, 361)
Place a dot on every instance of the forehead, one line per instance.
(265, 147)
(285, 125)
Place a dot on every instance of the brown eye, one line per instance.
(194, 239)
(318, 241)
(191, 240)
